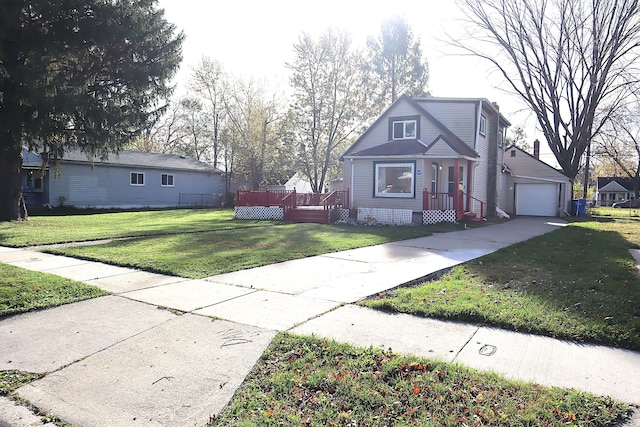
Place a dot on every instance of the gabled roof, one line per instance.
(514, 147)
(139, 159)
(456, 144)
(405, 98)
(623, 184)
(408, 147)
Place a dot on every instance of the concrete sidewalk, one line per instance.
(119, 360)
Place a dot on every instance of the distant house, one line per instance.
(129, 179)
(296, 182)
(614, 189)
(446, 159)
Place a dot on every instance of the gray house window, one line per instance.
(483, 125)
(137, 178)
(406, 127)
(167, 180)
(394, 179)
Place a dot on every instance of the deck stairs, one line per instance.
(315, 214)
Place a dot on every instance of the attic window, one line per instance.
(404, 127)
(513, 153)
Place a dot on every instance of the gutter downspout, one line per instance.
(351, 189)
(475, 140)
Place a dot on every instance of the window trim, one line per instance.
(483, 125)
(434, 176)
(138, 175)
(404, 119)
(376, 168)
(162, 176)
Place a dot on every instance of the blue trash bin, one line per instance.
(579, 207)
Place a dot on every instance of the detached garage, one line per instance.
(536, 199)
(534, 187)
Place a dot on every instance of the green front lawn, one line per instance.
(578, 283)
(315, 382)
(198, 255)
(23, 290)
(86, 226)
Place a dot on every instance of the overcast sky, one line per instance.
(254, 38)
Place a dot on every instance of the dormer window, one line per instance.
(404, 128)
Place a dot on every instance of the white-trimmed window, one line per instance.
(483, 125)
(395, 179)
(167, 180)
(434, 177)
(405, 129)
(137, 178)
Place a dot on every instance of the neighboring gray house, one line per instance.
(614, 189)
(129, 179)
(446, 158)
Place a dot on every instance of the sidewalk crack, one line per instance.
(466, 343)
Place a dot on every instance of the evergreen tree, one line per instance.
(86, 74)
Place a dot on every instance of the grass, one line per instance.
(13, 380)
(205, 254)
(578, 283)
(305, 381)
(87, 225)
(575, 283)
(23, 290)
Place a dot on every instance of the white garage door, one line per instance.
(536, 199)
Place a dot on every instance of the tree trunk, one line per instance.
(10, 177)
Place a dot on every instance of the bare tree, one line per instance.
(328, 102)
(619, 143)
(165, 135)
(208, 82)
(571, 61)
(196, 141)
(253, 116)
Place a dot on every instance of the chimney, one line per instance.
(536, 149)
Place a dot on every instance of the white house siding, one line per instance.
(458, 116)
(109, 186)
(363, 188)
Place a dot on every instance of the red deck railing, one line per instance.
(292, 199)
(260, 198)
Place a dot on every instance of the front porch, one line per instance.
(457, 206)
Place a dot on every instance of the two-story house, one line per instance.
(445, 159)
